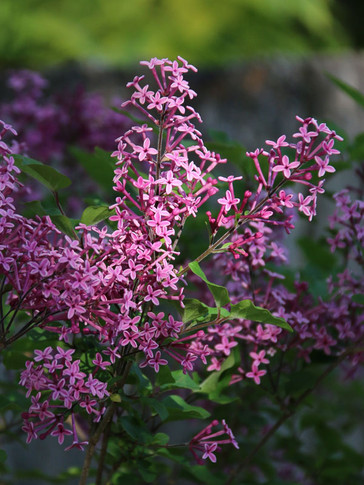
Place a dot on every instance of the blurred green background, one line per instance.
(40, 33)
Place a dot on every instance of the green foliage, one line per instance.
(94, 214)
(356, 95)
(247, 310)
(98, 165)
(219, 293)
(48, 176)
(36, 33)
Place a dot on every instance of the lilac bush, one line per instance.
(133, 332)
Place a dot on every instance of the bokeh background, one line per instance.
(40, 33)
(260, 57)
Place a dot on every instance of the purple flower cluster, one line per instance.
(48, 124)
(56, 371)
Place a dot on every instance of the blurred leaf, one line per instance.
(158, 406)
(358, 299)
(300, 381)
(356, 149)
(356, 95)
(99, 165)
(136, 428)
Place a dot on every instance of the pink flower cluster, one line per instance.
(248, 277)
(166, 184)
(205, 442)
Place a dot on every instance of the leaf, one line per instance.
(209, 385)
(94, 214)
(115, 397)
(356, 95)
(358, 298)
(99, 165)
(246, 309)
(184, 381)
(46, 175)
(194, 309)
(65, 224)
(300, 381)
(136, 429)
(3, 456)
(158, 406)
(220, 293)
(179, 409)
(160, 439)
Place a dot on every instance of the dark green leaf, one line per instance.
(158, 406)
(300, 381)
(99, 165)
(136, 429)
(358, 299)
(3, 456)
(220, 293)
(356, 95)
(246, 309)
(46, 175)
(94, 214)
(178, 409)
(65, 224)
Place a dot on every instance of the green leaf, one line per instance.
(356, 95)
(46, 175)
(136, 428)
(184, 381)
(115, 397)
(194, 309)
(179, 409)
(94, 214)
(209, 385)
(32, 209)
(160, 439)
(359, 298)
(99, 165)
(197, 312)
(65, 224)
(220, 293)
(158, 406)
(247, 310)
(3, 456)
